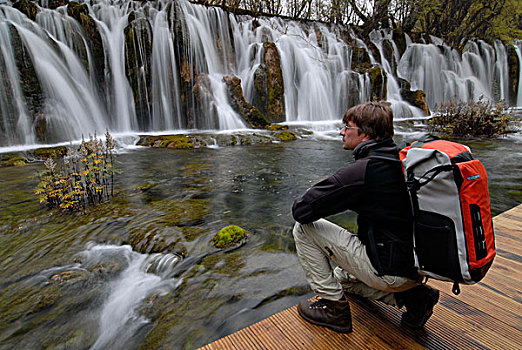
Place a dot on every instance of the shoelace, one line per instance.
(319, 304)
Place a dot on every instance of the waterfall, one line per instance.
(71, 103)
(518, 48)
(159, 66)
(481, 72)
(111, 21)
(143, 275)
(401, 109)
(14, 117)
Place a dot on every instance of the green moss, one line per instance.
(229, 236)
(378, 83)
(50, 152)
(286, 136)
(276, 127)
(167, 141)
(17, 161)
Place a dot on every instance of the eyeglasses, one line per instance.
(348, 127)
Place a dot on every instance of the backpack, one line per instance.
(453, 227)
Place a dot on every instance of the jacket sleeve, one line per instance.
(337, 193)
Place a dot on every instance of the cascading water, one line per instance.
(142, 275)
(445, 75)
(401, 109)
(518, 48)
(162, 67)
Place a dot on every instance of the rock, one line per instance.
(253, 117)
(28, 79)
(138, 51)
(400, 40)
(204, 101)
(275, 84)
(80, 12)
(28, 8)
(285, 136)
(178, 141)
(378, 83)
(416, 98)
(260, 96)
(360, 59)
(229, 236)
(513, 74)
(388, 54)
(50, 152)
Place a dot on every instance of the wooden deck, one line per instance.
(484, 316)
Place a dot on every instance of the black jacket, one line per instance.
(375, 189)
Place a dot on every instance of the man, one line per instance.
(377, 263)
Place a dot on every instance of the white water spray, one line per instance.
(119, 319)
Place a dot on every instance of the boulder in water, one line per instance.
(229, 236)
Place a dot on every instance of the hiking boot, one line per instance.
(419, 302)
(331, 314)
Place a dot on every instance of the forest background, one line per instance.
(454, 21)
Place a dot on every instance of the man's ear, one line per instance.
(366, 137)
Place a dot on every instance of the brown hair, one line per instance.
(373, 118)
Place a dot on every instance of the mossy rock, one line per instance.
(16, 161)
(167, 141)
(275, 84)
(378, 83)
(50, 152)
(249, 113)
(286, 136)
(276, 127)
(229, 236)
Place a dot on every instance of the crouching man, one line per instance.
(377, 262)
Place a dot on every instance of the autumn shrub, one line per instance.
(469, 119)
(84, 176)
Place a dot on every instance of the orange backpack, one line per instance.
(453, 227)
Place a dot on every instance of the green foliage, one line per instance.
(468, 119)
(229, 236)
(85, 177)
(508, 25)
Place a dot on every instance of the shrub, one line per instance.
(468, 119)
(86, 176)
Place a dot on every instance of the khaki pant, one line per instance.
(334, 260)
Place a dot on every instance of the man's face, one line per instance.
(352, 136)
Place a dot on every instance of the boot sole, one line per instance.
(428, 314)
(337, 329)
